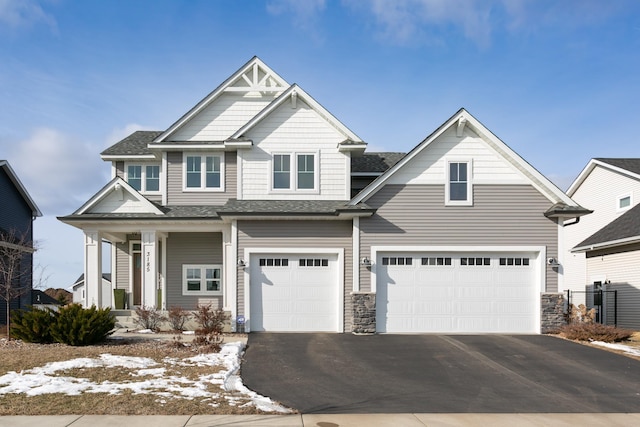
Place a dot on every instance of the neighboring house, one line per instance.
(41, 300)
(79, 291)
(246, 203)
(17, 213)
(603, 249)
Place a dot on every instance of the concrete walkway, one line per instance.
(328, 420)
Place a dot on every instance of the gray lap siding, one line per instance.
(501, 215)
(191, 248)
(298, 234)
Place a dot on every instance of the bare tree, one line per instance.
(16, 268)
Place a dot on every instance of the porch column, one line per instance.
(149, 269)
(92, 268)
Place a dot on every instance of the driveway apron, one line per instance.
(344, 373)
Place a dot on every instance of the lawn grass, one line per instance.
(18, 356)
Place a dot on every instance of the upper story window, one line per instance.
(281, 171)
(203, 172)
(623, 202)
(144, 178)
(458, 184)
(304, 165)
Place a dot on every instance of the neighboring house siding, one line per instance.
(15, 217)
(622, 270)
(176, 195)
(298, 234)
(598, 192)
(428, 167)
(415, 215)
(15, 213)
(222, 118)
(191, 248)
(300, 130)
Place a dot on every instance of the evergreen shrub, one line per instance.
(79, 326)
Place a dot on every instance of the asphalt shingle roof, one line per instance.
(624, 227)
(375, 162)
(134, 144)
(284, 207)
(632, 165)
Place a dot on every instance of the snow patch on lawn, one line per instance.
(43, 380)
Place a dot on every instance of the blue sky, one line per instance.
(558, 81)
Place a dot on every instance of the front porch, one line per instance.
(161, 268)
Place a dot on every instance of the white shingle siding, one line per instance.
(299, 130)
(428, 167)
(598, 192)
(112, 204)
(222, 118)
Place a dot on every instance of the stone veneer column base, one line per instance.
(552, 315)
(364, 313)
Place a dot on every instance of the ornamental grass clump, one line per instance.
(582, 326)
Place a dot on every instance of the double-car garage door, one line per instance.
(416, 292)
(456, 292)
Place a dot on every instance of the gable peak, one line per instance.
(256, 76)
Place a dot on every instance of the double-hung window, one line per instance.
(306, 171)
(281, 171)
(304, 178)
(201, 279)
(203, 172)
(144, 178)
(458, 189)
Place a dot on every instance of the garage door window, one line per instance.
(475, 261)
(436, 261)
(274, 262)
(397, 260)
(313, 262)
(514, 261)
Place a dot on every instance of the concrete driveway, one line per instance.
(343, 373)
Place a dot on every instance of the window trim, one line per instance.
(293, 172)
(620, 199)
(447, 193)
(203, 279)
(143, 176)
(203, 172)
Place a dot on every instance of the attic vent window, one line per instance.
(624, 202)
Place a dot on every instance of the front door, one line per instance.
(137, 278)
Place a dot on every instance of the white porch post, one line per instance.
(92, 268)
(149, 269)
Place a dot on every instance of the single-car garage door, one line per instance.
(294, 293)
(456, 292)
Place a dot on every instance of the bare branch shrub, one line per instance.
(16, 270)
(148, 318)
(209, 334)
(178, 317)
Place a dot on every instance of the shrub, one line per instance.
(583, 331)
(79, 326)
(178, 317)
(33, 325)
(209, 334)
(148, 318)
